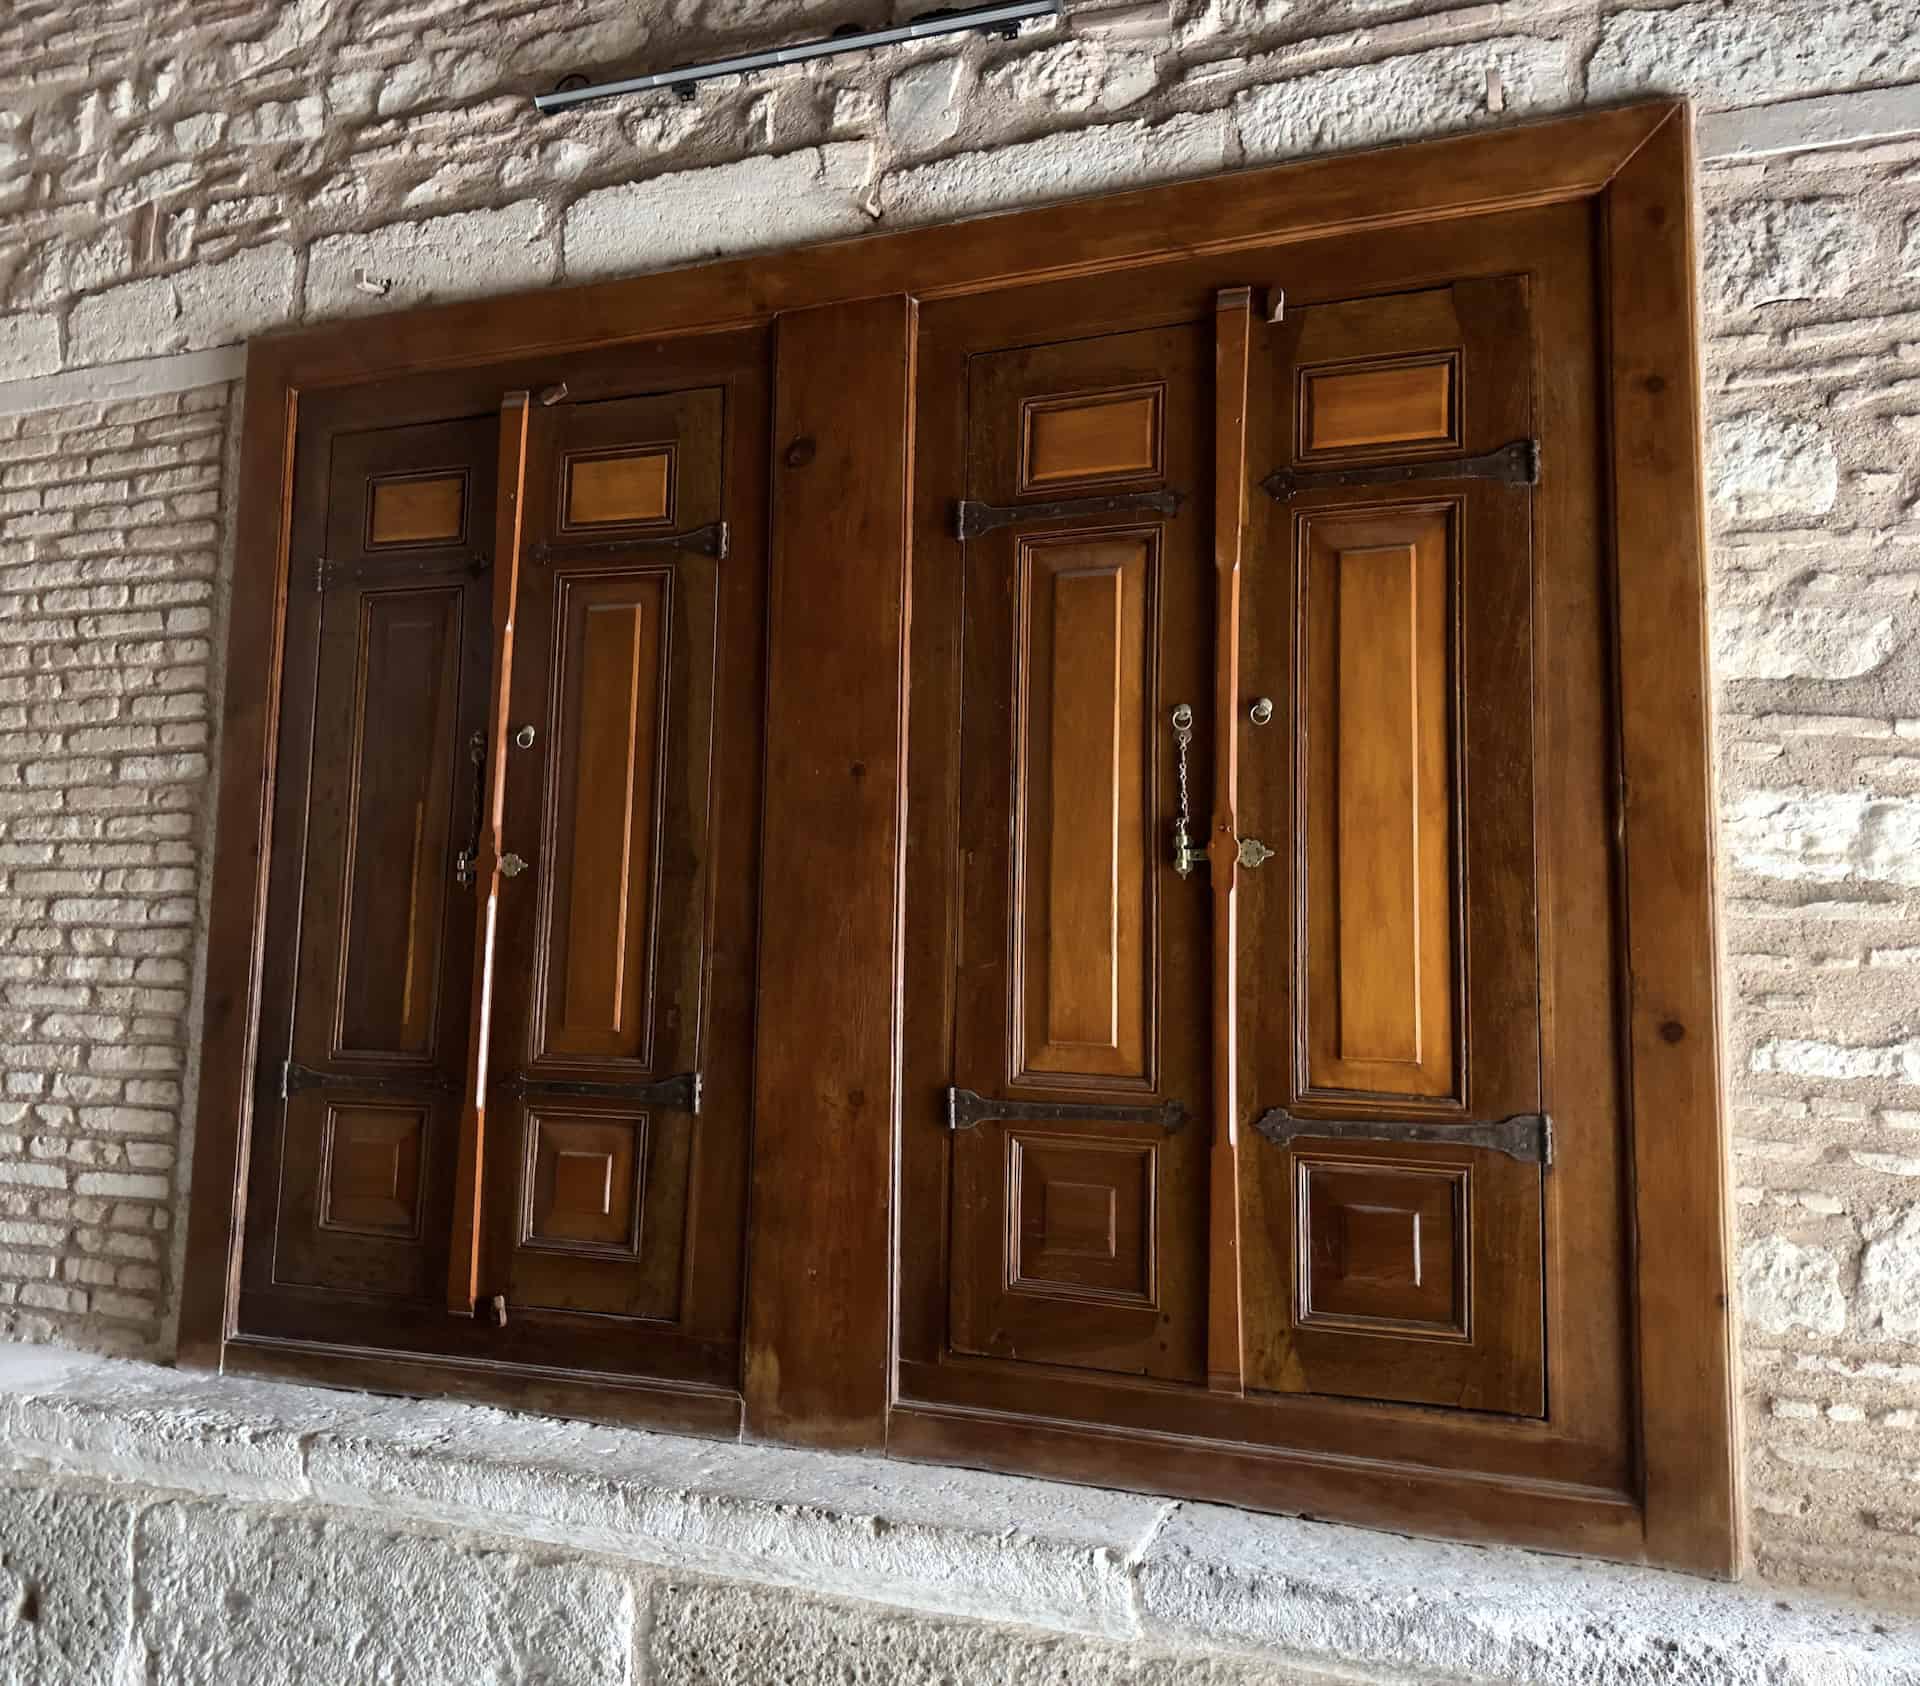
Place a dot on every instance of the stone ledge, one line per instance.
(1172, 1577)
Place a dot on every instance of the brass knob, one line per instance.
(1261, 710)
(511, 866)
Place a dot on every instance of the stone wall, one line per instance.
(175, 176)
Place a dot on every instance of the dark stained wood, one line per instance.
(463, 1256)
(1688, 1354)
(1569, 1480)
(1232, 365)
(826, 1072)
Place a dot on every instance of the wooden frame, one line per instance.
(821, 1363)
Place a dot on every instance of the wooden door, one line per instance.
(1080, 1106)
(616, 1115)
(1393, 1218)
(364, 1043)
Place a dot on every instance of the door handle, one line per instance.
(1188, 857)
(511, 866)
(464, 862)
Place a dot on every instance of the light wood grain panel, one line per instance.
(1085, 850)
(1398, 403)
(408, 509)
(1089, 437)
(1381, 957)
(619, 488)
(606, 800)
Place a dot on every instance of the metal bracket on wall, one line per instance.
(966, 1108)
(1527, 1136)
(1517, 464)
(671, 1094)
(971, 519)
(710, 540)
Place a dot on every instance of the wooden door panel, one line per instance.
(1393, 965)
(1082, 978)
(364, 1035)
(599, 897)
(1087, 857)
(1379, 745)
(611, 783)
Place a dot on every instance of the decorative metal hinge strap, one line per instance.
(294, 1077)
(714, 539)
(328, 573)
(1517, 464)
(1528, 1136)
(971, 519)
(966, 1108)
(671, 1094)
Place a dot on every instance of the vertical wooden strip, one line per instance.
(1688, 1356)
(1233, 322)
(463, 1257)
(1084, 809)
(826, 1059)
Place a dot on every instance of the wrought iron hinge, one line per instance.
(966, 1108)
(714, 540)
(295, 1077)
(673, 1094)
(1517, 464)
(971, 519)
(328, 573)
(1527, 1136)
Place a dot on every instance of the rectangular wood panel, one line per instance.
(1381, 959)
(1408, 402)
(583, 1184)
(409, 509)
(399, 842)
(619, 488)
(1085, 850)
(1383, 1246)
(605, 802)
(370, 1179)
(1081, 1218)
(1092, 436)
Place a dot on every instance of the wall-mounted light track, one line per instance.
(1008, 16)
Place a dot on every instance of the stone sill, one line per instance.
(948, 1543)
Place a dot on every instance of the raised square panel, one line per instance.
(583, 1183)
(1092, 436)
(411, 509)
(1081, 1217)
(1383, 1246)
(619, 488)
(370, 1180)
(1408, 402)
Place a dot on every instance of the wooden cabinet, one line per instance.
(507, 1077)
(1078, 844)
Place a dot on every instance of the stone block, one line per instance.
(923, 104)
(465, 255)
(1428, 93)
(29, 346)
(225, 1595)
(1784, 1286)
(1858, 117)
(1755, 51)
(1763, 466)
(1064, 166)
(1762, 252)
(64, 1583)
(1769, 641)
(758, 204)
(724, 1634)
(1826, 836)
(1890, 1276)
(210, 305)
(1078, 74)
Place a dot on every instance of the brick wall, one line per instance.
(175, 176)
(109, 534)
